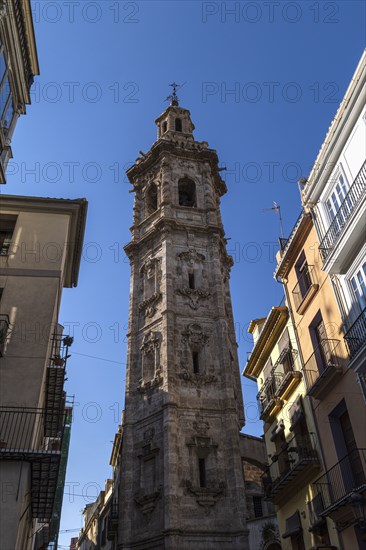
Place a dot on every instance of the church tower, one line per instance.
(182, 485)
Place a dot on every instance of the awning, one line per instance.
(293, 526)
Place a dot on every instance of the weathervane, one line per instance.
(173, 98)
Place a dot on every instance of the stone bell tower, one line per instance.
(182, 485)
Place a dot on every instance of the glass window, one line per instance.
(358, 282)
(2, 67)
(339, 197)
(4, 96)
(8, 115)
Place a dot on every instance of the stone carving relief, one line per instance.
(201, 445)
(150, 491)
(191, 256)
(191, 264)
(194, 296)
(151, 373)
(151, 276)
(227, 264)
(195, 339)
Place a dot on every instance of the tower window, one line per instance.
(187, 192)
(196, 363)
(191, 281)
(165, 127)
(151, 199)
(178, 125)
(202, 471)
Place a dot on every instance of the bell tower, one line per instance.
(182, 485)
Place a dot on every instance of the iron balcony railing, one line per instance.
(324, 357)
(113, 519)
(344, 213)
(305, 283)
(344, 478)
(23, 437)
(281, 374)
(55, 378)
(267, 394)
(4, 329)
(24, 431)
(356, 335)
(298, 452)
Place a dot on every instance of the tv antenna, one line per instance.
(276, 208)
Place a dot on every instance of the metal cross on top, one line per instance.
(173, 98)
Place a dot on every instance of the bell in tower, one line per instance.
(182, 485)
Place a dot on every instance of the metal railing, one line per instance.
(356, 335)
(55, 378)
(285, 363)
(323, 358)
(298, 450)
(305, 282)
(268, 392)
(22, 431)
(344, 213)
(345, 477)
(4, 328)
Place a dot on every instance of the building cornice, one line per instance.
(271, 330)
(75, 208)
(294, 244)
(338, 132)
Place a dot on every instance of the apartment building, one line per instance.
(335, 193)
(18, 67)
(40, 251)
(293, 455)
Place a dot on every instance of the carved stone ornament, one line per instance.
(149, 266)
(197, 379)
(201, 426)
(151, 342)
(205, 496)
(147, 501)
(195, 335)
(228, 263)
(191, 256)
(194, 296)
(148, 306)
(150, 385)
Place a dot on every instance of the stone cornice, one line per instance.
(199, 153)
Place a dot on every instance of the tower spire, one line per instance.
(173, 98)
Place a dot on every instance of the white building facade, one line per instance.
(335, 192)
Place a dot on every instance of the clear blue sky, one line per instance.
(105, 70)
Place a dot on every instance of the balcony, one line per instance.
(337, 486)
(305, 289)
(4, 328)
(344, 214)
(269, 403)
(287, 378)
(323, 369)
(290, 469)
(55, 378)
(356, 335)
(23, 438)
(113, 520)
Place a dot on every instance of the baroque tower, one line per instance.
(182, 485)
